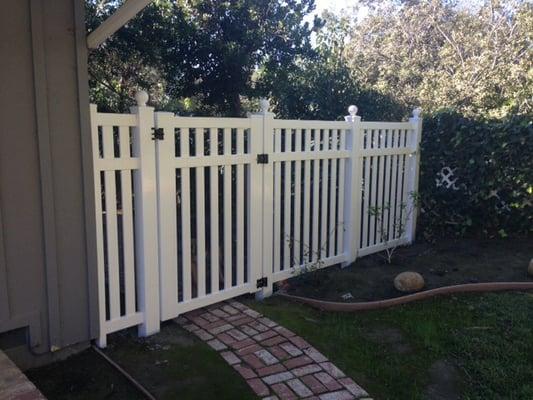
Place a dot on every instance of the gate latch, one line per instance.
(263, 282)
(158, 134)
(262, 158)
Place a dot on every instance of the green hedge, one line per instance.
(493, 164)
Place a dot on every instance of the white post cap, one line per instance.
(353, 114)
(141, 97)
(416, 112)
(264, 105)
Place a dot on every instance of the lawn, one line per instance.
(172, 364)
(467, 347)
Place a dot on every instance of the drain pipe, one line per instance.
(130, 378)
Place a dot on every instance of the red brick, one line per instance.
(249, 349)
(209, 317)
(273, 341)
(245, 372)
(312, 383)
(267, 322)
(242, 343)
(253, 361)
(230, 357)
(328, 381)
(237, 334)
(213, 325)
(240, 320)
(353, 387)
(299, 388)
(219, 313)
(230, 310)
(270, 370)
(265, 335)
(299, 342)
(315, 355)
(237, 305)
(258, 387)
(283, 391)
(225, 338)
(248, 330)
(279, 352)
(284, 331)
(332, 370)
(200, 321)
(251, 313)
(306, 370)
(258, 326)
(219, 329)
(297, 362)
(291, 349)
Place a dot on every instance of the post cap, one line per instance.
(264, 105)
(416, 112)
(352, 110)
(141, 97)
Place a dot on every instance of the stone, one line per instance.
(409, 282)
(530, 268)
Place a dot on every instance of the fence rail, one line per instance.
(192, 210)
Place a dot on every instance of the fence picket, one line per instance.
(240, 209)
(296, 243)
(315, 252)
(127, 224)
(228, 232)
(186, 218)
(287, 197)
(277, 204)
(324, 231)
(213, 210)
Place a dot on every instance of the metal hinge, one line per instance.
(262, 158)
(263, 282)
(158, 134)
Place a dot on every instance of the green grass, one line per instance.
(172, 364)
(488, 337)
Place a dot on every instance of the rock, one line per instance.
(530, 268)
(409, 282)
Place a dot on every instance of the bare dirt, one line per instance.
(444, 263)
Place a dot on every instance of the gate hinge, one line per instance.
(158, 134)
(262, 158)
(262, 282)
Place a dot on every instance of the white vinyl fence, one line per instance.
(191, 211)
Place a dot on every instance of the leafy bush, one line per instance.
(489, 164)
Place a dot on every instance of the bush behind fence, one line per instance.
(476, 176)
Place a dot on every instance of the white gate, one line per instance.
(192, 211)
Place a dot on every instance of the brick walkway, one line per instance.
(275, 362)
(13, 383)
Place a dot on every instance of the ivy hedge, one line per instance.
(476, 176)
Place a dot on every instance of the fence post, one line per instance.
(147, 259)
(352, 192)
(267, 133)
(414, 168)
(102, 335)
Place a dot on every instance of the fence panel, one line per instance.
(387, 203)
(308, 214)
(114, 165)
(205, 210)
(212, 208)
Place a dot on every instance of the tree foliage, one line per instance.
(196, 53)
(442, 56)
